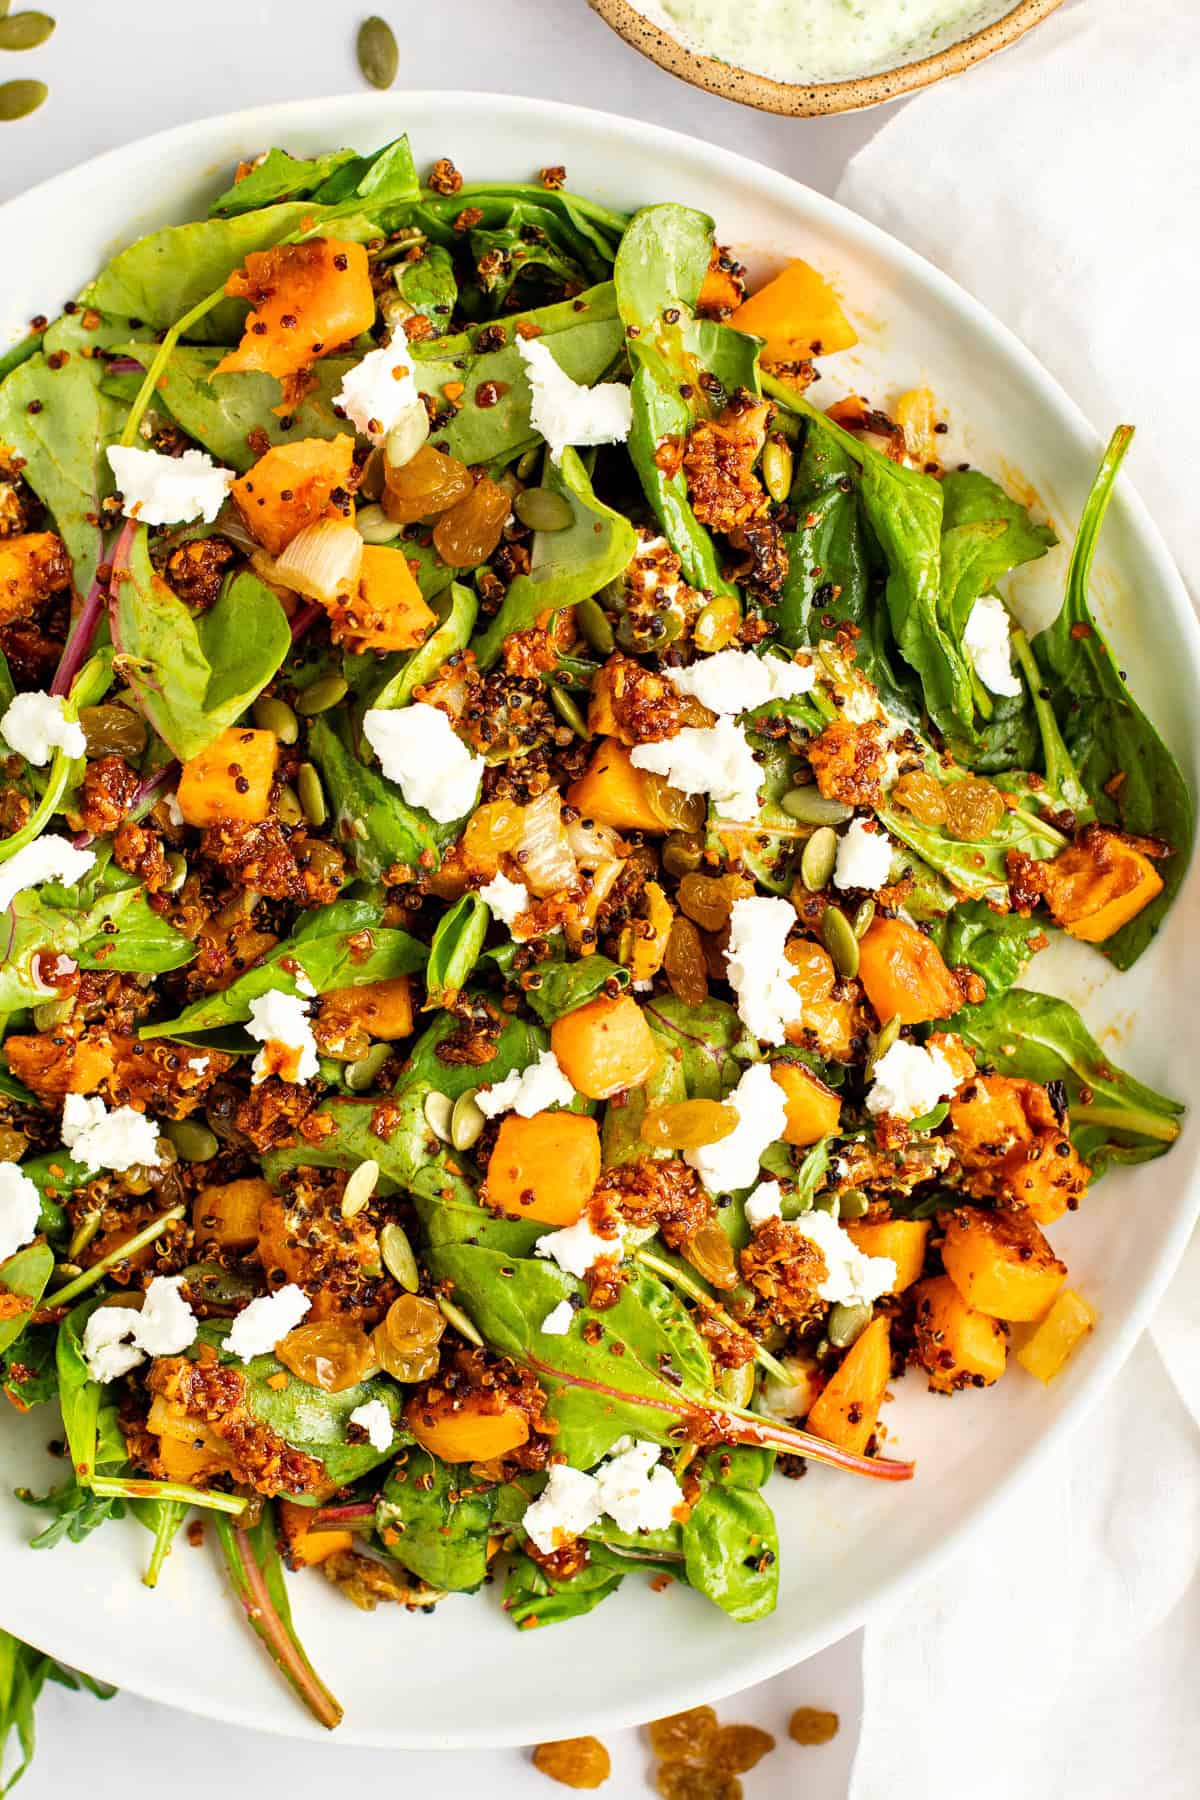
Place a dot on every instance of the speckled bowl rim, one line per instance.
(815, 100)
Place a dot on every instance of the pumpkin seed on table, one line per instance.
(543, 510)
(837, 935)
(818, 858)
(24, 30)
(378, 52)
(20, 98)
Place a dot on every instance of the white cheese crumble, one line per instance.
(631, 1486)
(197, 1064)
(20, 1210)
(527, 1091)
(108, 1347)
(376, 1421)
(759, 973)
(507, 899)
(986, 641)
(576, 1247)
(765, 1202)
(279, 1021)
(117, 1339)
(566, 413)
(733, 1161)
(708, 759)
(379, 390)
(567, 1506)
(851, 1275)
(909, 1081)
(736, 681)
(173, 810)
(557, 1321)
(261, 1325)
(864, 856)
(36, 725)
(420, 751)
(48, 858)
(118, 1140)
(169, 490)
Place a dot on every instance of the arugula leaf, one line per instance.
(278, 176)
(442, 1517)
(77, 1512)
(455, 949)
(375, 825)
(24, 1672)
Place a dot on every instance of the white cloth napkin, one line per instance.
(1056, 1658)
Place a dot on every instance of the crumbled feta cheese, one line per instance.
(197, 1064)
(166, 1324)
(377, 391)
(576, 1247)
(766, 1202)
(173, 810)
(261, 1325)
(708, 759)
(48, 858)
(733, 1161)
(303, 985)
(108, 1343)
(36, 725)
(987, 643)
(557, 1321)
(864, 856)
(118, 1140)
(759, 972)
(507, 899)
(566, 413)
(637, 1491)
(169, 490)
(568, 1505)
(376, 1421)
(421, 752)
(20, 1210)
(527, 1091)
(850, 1276)
(280, 1023)
(736, 681)
(910, 1079)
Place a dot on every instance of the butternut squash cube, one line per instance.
(290, 488)
(799, 316)
(304, 1543)
(308, 299)
(813, 1110)
(32, 567)
(1098, 884)
(231, 779)
(902, 1241)
(847, 1410)
(473, 1427)
(383, 1009)
(545, 1167)
(1001, 1263)
(228, 1214)
(605, 1046)
(1058, 1336)
(612, 792)
(388, 610)
(904, 974)
(957, 1345)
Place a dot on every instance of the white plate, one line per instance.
(464, 1676)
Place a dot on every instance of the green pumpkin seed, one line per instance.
(454, 1315)
(49, 1014)
(25, 30)
(361, 1075)
(326, 691)
(810, 807)
(683, 853)
(374, 526)
(406, 436)
(568, 712)
(112, 731)
(838, 937)
(847, 1323)
(852, 1203)
(737, 1385)
(596, 626)
(20, 98)
(177, 872)
(275, 715)
(438, 1110)
(398, 1257)
(883, 1043)
(194, 1142)
(378, 52)
(529, 462)
(863, 918)
(288, 807)
(820, 854)
(358, 1190)
(777, 463)
(312, 794)
(543, 510)
(466, 1121)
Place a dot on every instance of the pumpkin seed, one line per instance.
(838, 937)
(717, 624)
(852, 1203)
(777, 463)
(568, 712)
(312, 794)
(454, 1315)
(52, 1013)
(277, 716)
(112, 731)
(20, 98)
(374, 526)
(596, 626)
(810, 807)
(358, 1190)
(846, 1323)
(398, 1257)
(737, 1385)
(195, 1142)
(288, 807)
(543, 510)
(466, 1121)
(25, 30)
(177, 870)
(863, 918)
(406, 436)
(378, 52)
(529, 462)
(438, 1110)
(883, 1043)
(324, 693)
(361, 1075)
(820, 854)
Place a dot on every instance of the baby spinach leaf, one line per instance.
(458, 612)
(443, 1517)
(620, 1134)
(534, 1597)
(79, 1396)
(120, 931)
(997, 946)
(28, 1376)
(985, 536)
(278, 176)
(24, 1275)
(661, 263)
(315, 1422)
(731, 1551)
(455, 949)
(430, 286)
(386, 178)
(659, 413)
(193, 675)
(828, 564)
(376, 826)
(709, 1041)
(562, 984)
(24, 1672)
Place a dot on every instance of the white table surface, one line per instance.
(117, 71)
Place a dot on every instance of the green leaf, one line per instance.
(430, 286)
(534, 1597)
(277, 177)
(315, 1422)
(985, 536)
(418, 667)
(119, 931)
(24, 1275)
(443, 1515)
(731, 1552)
(710, 1042)
(563, 984)
(24, 1672)
(828, 564)
(621, 1140)
(78, 1395)
(256, 1576)
(455, 950)
(375, 825)
(998, 946)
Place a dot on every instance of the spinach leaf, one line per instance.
(120, 931)
(620, 1134)
(79, 1396)
(24, 1275)
(278, 176)
(985, 536)
(315, 1422)
(1132, 777)
(377, 828)
(192, 675)
(659, 413)
(386, 178)
(455, 949)
(731, 1551)
(533, 1597)
(441, 1518)
(430, 286)
(828, 563)
(452, 634)
(977, 867)
(709, 1041)
(997, 946)
(560, 985)
(661, 263)
(566, 566)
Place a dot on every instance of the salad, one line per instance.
(522, 836)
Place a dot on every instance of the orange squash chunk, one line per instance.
(544, 1168)
(308, 299)
(290, 488)
(955, 1343)
(902, 1241)
(481, 1426)
(605, 1047)
(1001, 1263)
(1098, 884)
(847, 1409)
(1058, 1336)
(904, 975)
(32, 567)
(231, 779)
(227, 1214)
(813, 1110)
(612, 792)
(828, 1020)
(52, 1070)
(388, 611)
(383, 1009)
(798, 314)
(305, 1543)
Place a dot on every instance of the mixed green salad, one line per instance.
(522, 834)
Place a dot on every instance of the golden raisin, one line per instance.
(406, 1341)
(676, 810)
(923, 796)
(810, 1725)
(581, 1762)
(330, 1354)
(687, 1124)
(429, 483)
(467, 534)
(685, 963)
(491, 830)
(711, 1254)
(708, 899)
(695, 1781)
(737, 1748)
(685, 1736)
(815, 974)
(974, 808)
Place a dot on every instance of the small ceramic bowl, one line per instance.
(805, 100)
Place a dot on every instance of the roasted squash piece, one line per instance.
(308, 299)
(52, 1068)
(32, 567)
(227, 1214)
(1008, 1138)
(605, 1046)
(904, 976)
(231, 779)
(303, 1542)
(847, 1410)
(1001, 1263)
(1098, 884)
(478, 1427)
(828, 1015)
(902, 1241)
(544, 1168)
(799, 316)
(291, 487)
(382, 1009)
(387, 611)
(612, 792)
(1058, 1336)
(813, 1110)
(957, 1345)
